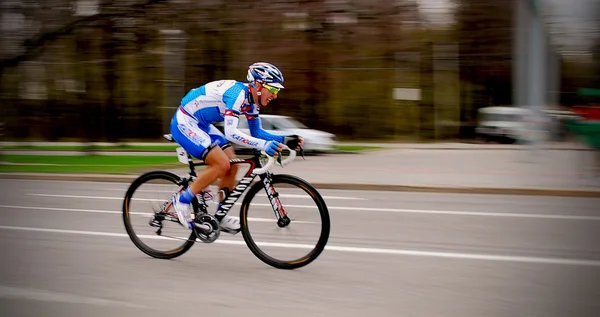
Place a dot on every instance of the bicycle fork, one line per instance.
(282, 219)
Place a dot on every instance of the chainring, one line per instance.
(210, 220)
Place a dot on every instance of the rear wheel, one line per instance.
(150, 219)
(297, 239)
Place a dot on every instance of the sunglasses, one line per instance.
(271, 89)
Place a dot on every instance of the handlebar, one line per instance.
(271, 160)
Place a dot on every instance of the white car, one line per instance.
(314, 140)
(503, 124)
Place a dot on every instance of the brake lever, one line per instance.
(301, 154)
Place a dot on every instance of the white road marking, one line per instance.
(308, 197)
(50, 296)
(153, 191)
(414, 211)
(124, 189)
(451, 255)
(470, 213)
(68, 209)
(252, 219)
(93, 197)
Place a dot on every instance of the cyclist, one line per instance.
(224, 100)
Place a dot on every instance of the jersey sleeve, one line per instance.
(233, 134)
(234, 99)
(256, 130)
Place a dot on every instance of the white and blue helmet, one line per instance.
(265, 73)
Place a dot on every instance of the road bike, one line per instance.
(278, 220)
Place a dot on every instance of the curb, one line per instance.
(465, 190)
(342, 186)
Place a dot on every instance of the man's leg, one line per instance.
(228, 224)
(218, 167)
(196, 141)
(218, 164)
(228, 180)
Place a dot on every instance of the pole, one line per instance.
(174, 73)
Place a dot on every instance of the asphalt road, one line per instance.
(66, 253)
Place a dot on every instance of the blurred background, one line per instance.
(447, 226)
(398, 70)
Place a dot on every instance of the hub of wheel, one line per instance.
(283, 222)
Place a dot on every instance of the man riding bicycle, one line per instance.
(224, 100)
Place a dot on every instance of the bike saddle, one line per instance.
(169, 137)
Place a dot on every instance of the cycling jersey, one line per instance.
(218, 101)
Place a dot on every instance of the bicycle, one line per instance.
(208, 229)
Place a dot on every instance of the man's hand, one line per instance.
(272, 148)
(293, 141)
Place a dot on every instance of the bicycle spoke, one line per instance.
(145, 216)
(308, 225)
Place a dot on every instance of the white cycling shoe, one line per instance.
(230, 225)
(184, 212)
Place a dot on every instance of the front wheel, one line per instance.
(295, 240)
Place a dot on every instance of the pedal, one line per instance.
(233, 232)
(155, 223)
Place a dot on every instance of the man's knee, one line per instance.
(218, 160)
(233, 168)
(223, 166)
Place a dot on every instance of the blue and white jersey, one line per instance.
(209, 102)
(225, 100)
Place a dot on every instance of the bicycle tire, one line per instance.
(164, 175)
(323, 211)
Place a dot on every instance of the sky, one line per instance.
(573, 23)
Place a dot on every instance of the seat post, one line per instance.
(191, 164)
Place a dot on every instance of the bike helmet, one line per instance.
(265, 73)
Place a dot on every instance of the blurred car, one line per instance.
(501, 124)
(519, 124)
(314, 140)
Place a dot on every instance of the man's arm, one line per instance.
(256, 129)
(234, 99)
(233, 134)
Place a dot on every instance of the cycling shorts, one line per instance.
(197, 139)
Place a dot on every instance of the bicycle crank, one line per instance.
(206, 228)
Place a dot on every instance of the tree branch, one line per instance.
(33, 46)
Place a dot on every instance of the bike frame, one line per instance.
(233, 195)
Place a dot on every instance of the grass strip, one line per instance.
(85, 164)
